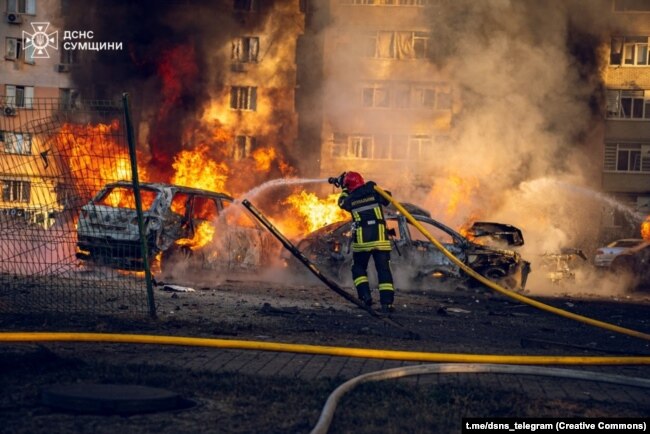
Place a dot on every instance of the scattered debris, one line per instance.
(177, 288)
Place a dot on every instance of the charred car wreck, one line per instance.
(419, 258)
(107, 230)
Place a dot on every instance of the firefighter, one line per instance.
(370, 237)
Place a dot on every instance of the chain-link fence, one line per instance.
(55, 250)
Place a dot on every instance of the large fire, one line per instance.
(645, 229)
(95, 156)
(312, 212)
(195, 168)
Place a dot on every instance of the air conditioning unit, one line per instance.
(9, 111)
(14, 18)
(62, 67)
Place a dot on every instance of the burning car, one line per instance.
(180, 222)
(328, 248)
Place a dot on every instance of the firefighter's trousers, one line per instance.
(384, 275)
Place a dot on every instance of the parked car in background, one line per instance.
(175, 218)
(418, 258)
(605, 256)
(628, 257)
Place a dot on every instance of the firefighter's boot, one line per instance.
(386, 298)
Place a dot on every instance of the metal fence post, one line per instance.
(138, 205)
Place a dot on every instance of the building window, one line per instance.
(246, 5)
(19, 96)
(68, 98)
(627, 157)
(15, 191)
(243, 147)
(629, 51)
(245, 49)
(243, 98)
(16, 143)
(22, 6)
(417, 146)
(425, 97)
(396, 45)
(381, 146)
(14, 50)
(69, 57)
(375, 96)
(628, 104)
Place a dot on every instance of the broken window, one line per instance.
(628, 104)
(245, 49)
(68, 98)
(18, 143)
(243, 98)
(19, 96)
(179, 203)
(243, 147)
(398, 45)
(15, 191)
(627, 157)
(204, 208)
(629, 51)
(359, 147)
(375, 96)
(13, 48)
(123, 197)
(628, 160)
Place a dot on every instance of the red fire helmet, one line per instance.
(352, 181)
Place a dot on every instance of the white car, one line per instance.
(605, 256)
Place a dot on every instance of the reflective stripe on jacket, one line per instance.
(364, 204)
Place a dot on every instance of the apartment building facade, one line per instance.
(626, 152)
(386, 106)
(28, 75)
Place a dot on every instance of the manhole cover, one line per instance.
(111, 398)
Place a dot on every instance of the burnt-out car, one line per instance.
(175, 220)
(417, 259)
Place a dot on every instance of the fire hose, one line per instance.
(327, 413)
(498, 288)
(316, 272)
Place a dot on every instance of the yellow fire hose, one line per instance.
(367, 353)
(492, 285)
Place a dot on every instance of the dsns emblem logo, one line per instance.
(40, 40)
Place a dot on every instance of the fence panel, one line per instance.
(55, 156)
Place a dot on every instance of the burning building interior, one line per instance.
(534, 114)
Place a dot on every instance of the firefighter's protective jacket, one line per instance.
(369, 224)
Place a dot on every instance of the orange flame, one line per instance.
(203, 234)
(88, 147)
(263, 158)
(645, 229)
(313, 212)
(195, 168)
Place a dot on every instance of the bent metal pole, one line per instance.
(312, 267)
